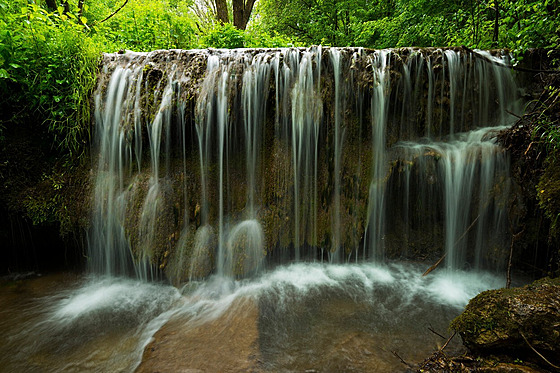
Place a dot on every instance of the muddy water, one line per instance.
(302, 317)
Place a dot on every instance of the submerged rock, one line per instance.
(516, 322)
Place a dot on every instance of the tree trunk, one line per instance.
(496, 23)
(242, 12)
(66, 6)
(238, 6)
(222, 11)
(81, 4)
(51, 4)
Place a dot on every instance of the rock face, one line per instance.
(515, 321)
(219, 161)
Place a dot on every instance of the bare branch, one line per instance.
(456, 242)
(112, 14)
(401, 359)
(436, 333)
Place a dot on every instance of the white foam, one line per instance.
(113, 295)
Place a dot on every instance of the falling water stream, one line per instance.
(274, 210)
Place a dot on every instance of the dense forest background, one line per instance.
(50, 49)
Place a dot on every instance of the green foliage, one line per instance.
(522, 24)
(328, 22)
(227, 36)
(47, 72)
(404, 30)
(547, 135)
(143, 25)
(257, 37)
(223, 36)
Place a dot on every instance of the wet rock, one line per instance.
(515, 322)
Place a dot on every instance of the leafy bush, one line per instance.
(144, 25)
(229, 37)
(47, 72)
(546, 135)
(438, 23)
(223, 36)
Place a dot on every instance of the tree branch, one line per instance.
(112, 14)
(455, 244)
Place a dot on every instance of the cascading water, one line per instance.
(261, 130)
(379, 102)
(471, 167)
(215, 165)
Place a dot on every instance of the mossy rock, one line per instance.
(509, 321)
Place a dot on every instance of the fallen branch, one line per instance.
(537, 352)
(514, 238)
(447, 342)
(456, 242)
(434, 266)
(436, 333)
(401, 359)
(440, 362)
(515, 115)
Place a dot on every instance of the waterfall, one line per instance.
(471, 161)
(380, 62)
(221, 161)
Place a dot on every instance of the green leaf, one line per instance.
(15, 65)
(4, 74)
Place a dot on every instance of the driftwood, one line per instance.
(440, 362)
(430, 328)
(456, 242)
(401, 359)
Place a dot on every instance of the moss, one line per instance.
(62, 196)
(486, 319)
(500, 321)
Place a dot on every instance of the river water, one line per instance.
(299, 317)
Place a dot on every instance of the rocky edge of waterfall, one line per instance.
(518, 329)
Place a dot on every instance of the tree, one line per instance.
(241, 12)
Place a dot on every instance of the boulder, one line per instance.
(521, 322)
